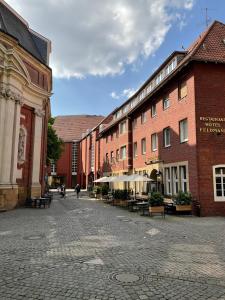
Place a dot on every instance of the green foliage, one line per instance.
(121, 194)
(55, 145)
(97, 190)
(183, 198)
(105, 189)
(156, 199)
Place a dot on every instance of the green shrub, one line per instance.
(121, 194)
(105, 189)
(183, 198)
(156, 199)
(97, 190)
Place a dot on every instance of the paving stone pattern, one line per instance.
(85, 249)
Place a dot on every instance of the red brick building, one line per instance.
(172, 129)
(70, 130)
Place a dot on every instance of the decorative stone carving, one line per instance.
(8, 94)
(39, 112)
(22, 145)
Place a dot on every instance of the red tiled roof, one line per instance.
(212, 45)
(70, 128)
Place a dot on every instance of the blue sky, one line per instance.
(92, 75)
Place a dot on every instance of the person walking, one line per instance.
(77, 189)
(63, 191)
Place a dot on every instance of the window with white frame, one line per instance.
(150, 88)
(153, 110)
(166, 102)
(123, 152)
(122, 127)
(143, 146)
(53, 167)
(166, 137)
(75, 147)
(111, 157)
(167, 181)
(135, 149)
(219, 182)
(143, 117)
(182, 90)
(183, 179)
(183, 131)
(117, 154)
(175, 180)
(154, 141)
(134, 123)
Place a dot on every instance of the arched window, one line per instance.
(219, 182)
(22, 145)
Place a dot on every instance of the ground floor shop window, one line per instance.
(219, 182)
(167, 181)
(176, 178)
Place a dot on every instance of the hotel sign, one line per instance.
(212, 125)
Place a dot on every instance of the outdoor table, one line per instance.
(143, 205)
(169, 205)
(131, 204)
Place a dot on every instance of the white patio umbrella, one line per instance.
(105, 179)
(102, 179)
(138, 178)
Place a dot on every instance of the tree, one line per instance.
(55, 144)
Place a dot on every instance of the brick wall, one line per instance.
(64, 165)
(210, 102)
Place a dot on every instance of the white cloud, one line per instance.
(114, 95)
(95, 37)
(128, 92)
(125, 94)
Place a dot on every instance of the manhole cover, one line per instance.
(34, 237)
(127, 278)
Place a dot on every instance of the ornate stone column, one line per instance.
(9, 124)
(36, 185)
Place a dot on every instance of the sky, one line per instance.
(104, 50)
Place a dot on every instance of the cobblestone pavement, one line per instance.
(85, 249)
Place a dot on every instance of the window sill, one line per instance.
(167, 146)
(154, 116)
(183, 142)
(165, 108)
(180, 99)
(219, 199)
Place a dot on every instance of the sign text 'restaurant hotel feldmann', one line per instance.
(212, 125)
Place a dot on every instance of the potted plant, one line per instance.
(97, 192)
(104, 191)
(183, 201)
(120, 197)
(156, 203)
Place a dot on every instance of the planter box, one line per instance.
(183, 208)
(156, 210)
(123, 203)
(116, 202)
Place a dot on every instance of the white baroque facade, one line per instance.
(25, 89)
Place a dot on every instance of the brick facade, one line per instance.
(196, 92)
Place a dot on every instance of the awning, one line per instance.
(124, 178)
